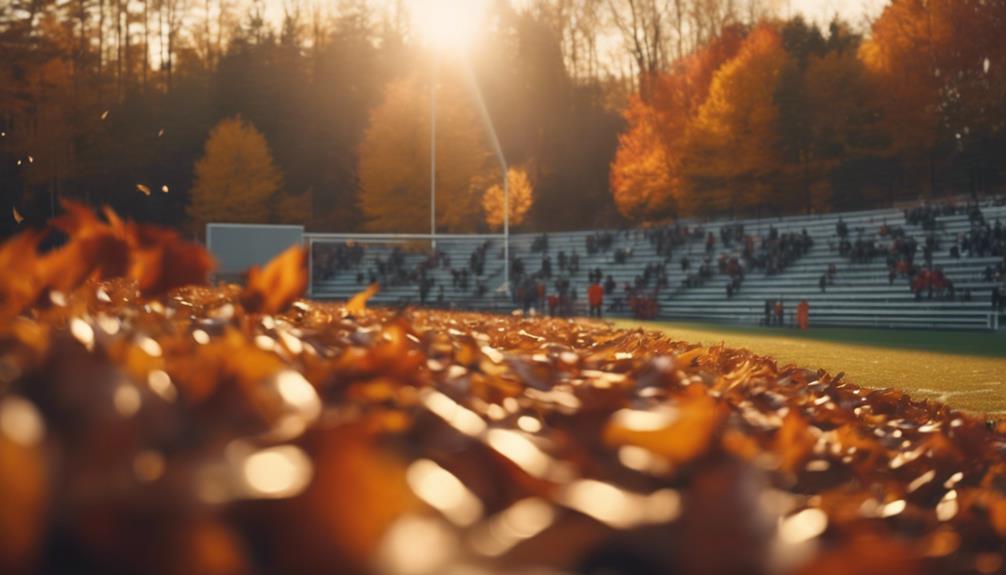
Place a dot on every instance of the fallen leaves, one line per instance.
(207, 430)
(157, 259)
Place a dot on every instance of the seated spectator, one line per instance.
(609, 285)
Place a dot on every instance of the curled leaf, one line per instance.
(358, 303)
(281, 282)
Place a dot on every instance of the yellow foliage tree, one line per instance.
(294, 209)
(733, 141)
(394, 160)
(521, 198)
(236, 178)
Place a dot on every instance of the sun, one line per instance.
(448, 25)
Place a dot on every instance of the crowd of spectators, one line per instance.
(550, 287)
(331, 259)
(598, 242)
(925, 215)
(395, 269)
(540, 244)
(779, 251)
(983, 240)
(666, 239)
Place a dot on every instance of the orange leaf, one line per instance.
(358, 303)
(793, 442)
(684, 438)
(162, 261)
(280, 283)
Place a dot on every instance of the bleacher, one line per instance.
(860, 295)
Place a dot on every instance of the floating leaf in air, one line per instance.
(144, 189)
(18, 218)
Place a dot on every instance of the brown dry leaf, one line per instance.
(685, 438)
(97, 254)
(22, 502)
(202, 547)
(358, 491)
(18, 287)
(865, 554)
(230, 360)
(996, 506)
(793, 442)
(76, 218)
(144, 189)
(95, 249)
(162, 260)
(157, 259)
(358, 303)
(281, 282)
(687, 357)
(18, 218)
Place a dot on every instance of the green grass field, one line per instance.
(965, 370)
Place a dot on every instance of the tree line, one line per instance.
(784, 117)
(607, 111)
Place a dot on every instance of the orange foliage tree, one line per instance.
(939, 68)
(642, 178)
(733, 142)
(646, 178)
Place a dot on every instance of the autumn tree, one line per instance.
(646, 174)
(733, 143)
(394, 158)
(937, 66)
(235, 180)
(521, 196)
(642, 181)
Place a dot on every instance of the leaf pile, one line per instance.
(230, 431)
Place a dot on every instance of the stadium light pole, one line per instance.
(433, 152)
(451, 26)
(506, 225)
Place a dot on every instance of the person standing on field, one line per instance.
(803, 314)
(595, 298)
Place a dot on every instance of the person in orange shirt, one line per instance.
(595, 297)
(803, 314)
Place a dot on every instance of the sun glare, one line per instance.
(448, 25)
